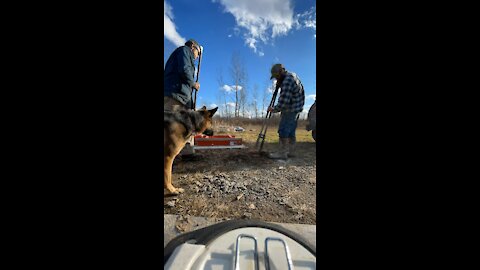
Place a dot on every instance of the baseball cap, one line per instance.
(276, 69)
(194, 42)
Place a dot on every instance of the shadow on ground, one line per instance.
(227, 160)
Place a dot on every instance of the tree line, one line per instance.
(234, 101)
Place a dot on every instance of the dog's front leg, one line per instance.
(167, 174)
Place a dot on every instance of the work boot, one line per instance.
(282, 153)
(291, 146)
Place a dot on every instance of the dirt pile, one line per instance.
(241, 183)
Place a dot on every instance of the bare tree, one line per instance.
(239, 76)
(255, 100)
(265, 95)
(242, 102)
(222, 96)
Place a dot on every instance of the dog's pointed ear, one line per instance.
(213, 111)
(204, 108)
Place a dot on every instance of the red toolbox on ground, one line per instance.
(217, 140)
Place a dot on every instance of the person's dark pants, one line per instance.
(288, 124)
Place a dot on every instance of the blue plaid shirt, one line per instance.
(292, 95)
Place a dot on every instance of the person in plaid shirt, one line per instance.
(290, 104)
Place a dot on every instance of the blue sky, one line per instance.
(262, 33)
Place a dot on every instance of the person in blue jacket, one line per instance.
(179, 76)
(178, 83)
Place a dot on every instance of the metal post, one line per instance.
(194, 103)
(263, 131)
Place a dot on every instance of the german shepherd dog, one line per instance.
(179, 126)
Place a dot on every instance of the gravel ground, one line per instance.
(241, 183)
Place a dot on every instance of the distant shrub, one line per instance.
(223, 124)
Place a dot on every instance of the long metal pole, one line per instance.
(194, 103)
(263, 131)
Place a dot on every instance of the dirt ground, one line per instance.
(241, 183)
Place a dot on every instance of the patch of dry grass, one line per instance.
(251, 132)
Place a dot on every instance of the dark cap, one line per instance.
(194, 42)
(276, 69)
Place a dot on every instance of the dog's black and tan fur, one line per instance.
(179, 126)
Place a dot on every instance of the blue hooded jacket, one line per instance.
(179, 75)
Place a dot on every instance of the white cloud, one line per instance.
(264, 20)
(308, 19)
(261, 20)
(311, 97)
(231, 104)
(230, 88)
(213, 105)
(251, 43)
(271, 88)
(169, 28)
(230, 35)
(310, 24)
